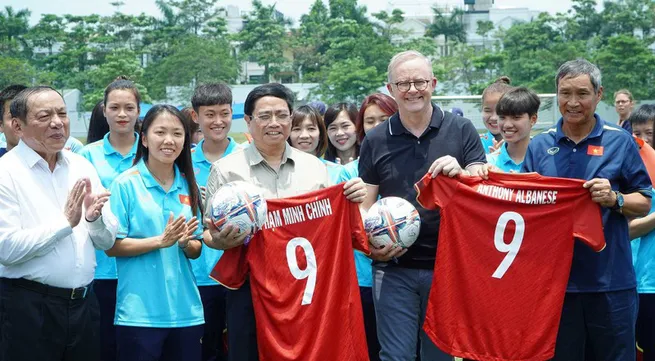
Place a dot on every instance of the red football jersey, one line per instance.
(303, 278)
(503, 261)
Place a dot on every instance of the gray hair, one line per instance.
(577, 67)
(405, 56)
(19, 108)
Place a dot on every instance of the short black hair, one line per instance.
(211, 94)
(518, 101)
(18, 106)
(8, 94)
(271, 89)
(643, 115)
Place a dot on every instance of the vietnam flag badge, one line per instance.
(596, 150)
(184, 199)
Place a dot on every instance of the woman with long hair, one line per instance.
(340, 123)
(111, 148)
(159, 313)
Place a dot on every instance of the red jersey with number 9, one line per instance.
(303, 279)
(503, 261)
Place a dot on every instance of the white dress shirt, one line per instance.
(36, 240)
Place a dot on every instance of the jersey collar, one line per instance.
(199, 154)
(596, 132)
(150, 181)
(108, 149)
(504, 158)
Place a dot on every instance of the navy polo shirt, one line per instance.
(608, 152)
(3, 151)
(394, 159)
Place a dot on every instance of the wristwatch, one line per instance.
(618, 206)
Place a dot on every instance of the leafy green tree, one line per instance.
(263, 38)
(350, 79)
(195, 60)
(626, 62)
(47, 32)
(348, 9)
(118, 62)
(310, 43)
(423, 45)
(13, 25)
(484, 28)
(388, 23)
(448, 25)
(15, 71)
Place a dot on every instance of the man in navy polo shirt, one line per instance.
(600, 307)
(393, 157)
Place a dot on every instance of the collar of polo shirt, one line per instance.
(255, 157)
(396, 126)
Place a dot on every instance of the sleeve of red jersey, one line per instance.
(232, 269)
(588, 225)
(359, 238)
(434, 193)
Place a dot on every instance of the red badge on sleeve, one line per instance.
(596, 150)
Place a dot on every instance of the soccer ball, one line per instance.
(392, 220)
(240, 204)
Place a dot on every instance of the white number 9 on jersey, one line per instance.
(511, 249)
(309, 272)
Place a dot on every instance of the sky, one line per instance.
(290, 8)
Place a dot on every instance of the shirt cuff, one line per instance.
(103, 222)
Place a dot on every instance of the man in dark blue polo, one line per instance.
(600, 307)
(393, 157)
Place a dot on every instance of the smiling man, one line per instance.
(419, 138)
(600, 306)
(279, 171)
(51, 220)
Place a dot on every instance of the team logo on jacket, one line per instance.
(553, 150)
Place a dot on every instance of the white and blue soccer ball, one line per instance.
(392, 220)
(241, 205)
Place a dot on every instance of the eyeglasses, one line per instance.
(419, 85)
(268, 117)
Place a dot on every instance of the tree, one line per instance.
(535, 50)
(583, 21)
(448, 25)
(47, 32)
(626, 62)
(195, 60)
(15, 71)
(483, 29)
(349, 79)
(264, 37)
(13, 24)
(388, 23)
(195, 16)
(348, 10)
(423, 45)
(118, 62)
(309, 42)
